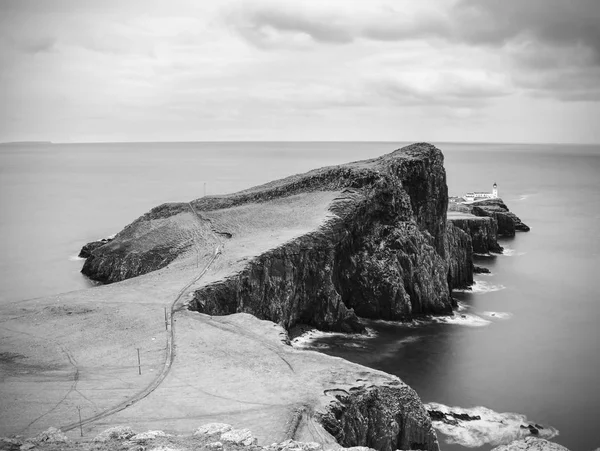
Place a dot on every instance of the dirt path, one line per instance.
(170, 358)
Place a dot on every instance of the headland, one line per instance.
(192, 325)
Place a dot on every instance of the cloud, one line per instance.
(555, 22)
(475, 22)
(272, 23)
(449, 87)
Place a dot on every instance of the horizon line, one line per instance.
(42, 142)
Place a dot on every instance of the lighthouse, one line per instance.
(495, 191)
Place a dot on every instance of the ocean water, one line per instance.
(525, 345)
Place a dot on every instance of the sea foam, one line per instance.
(492, 428)
(482, 287)
(508, 252)
(498, 315)
(308, 339)
(75, 258)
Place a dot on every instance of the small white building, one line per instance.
(480, 195)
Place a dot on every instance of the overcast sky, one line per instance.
(199, 70)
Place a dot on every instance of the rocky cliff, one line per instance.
(459, 252)
(383, 418)
(507, 221)
(381, 255)
(482, 230)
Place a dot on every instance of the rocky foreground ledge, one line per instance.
(209, 437)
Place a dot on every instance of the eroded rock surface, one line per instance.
(384, 418)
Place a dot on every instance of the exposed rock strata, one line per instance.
(86, 250)
(482, 230)
(459, 251)
(507, 221)
(382, 255)
(384, 418)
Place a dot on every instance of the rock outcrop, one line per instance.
(507, 221)
(531, 444)
(459, 252)
(482, 230)
(382, 254)
(149, 243)
(384, 418)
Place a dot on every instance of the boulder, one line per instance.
(239, 437)
(115, 433)
(148, 435)
(213, 429)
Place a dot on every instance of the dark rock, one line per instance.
(459, 255)
(86, 251)
(482, 230)
(383, 418)
(383, 256)
(507, 221)
(480, 270)
(466, 416)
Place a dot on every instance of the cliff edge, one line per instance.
(378, 251)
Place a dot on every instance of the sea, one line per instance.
(524, 346)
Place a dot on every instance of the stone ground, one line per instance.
(79, 350)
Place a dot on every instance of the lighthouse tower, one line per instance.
(495, 191)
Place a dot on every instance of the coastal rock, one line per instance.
(482, 230)
(480, 270)
(507, 221)
(531, 444)
(87, 249)
(383, 418)
(383, 254)
(459, 253)
(149, 243)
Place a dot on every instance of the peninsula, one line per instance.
(191, 325)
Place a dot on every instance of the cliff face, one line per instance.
(383, 418)
(459, 251)
(482, 230)
(383, 255)
(150, 243)
(507, 221)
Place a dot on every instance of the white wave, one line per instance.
(492, 428)
(498, 315)
(462, 319)
(75, 258)
(461, 307)
(482, 287)
(508, 252)
(307, 339)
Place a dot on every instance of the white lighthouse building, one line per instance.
(480, 195)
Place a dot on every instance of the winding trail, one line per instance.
(170, 358)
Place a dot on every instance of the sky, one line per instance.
(341, 70)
